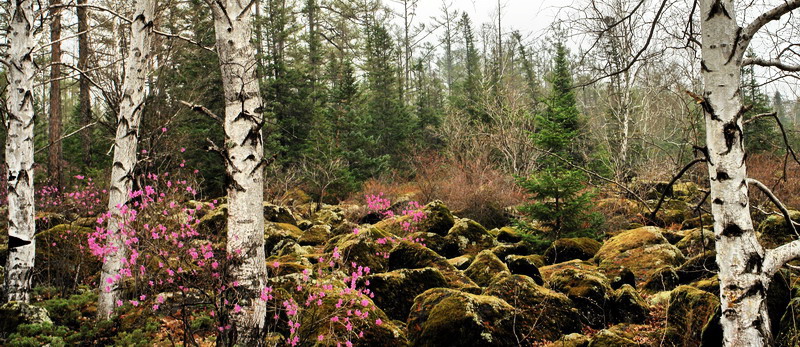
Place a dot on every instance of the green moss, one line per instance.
(690, 312)
(589, 290)
(485, 266)
(774, 231)
(582, 248)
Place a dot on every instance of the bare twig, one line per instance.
(672, 182)
(775, 201)
(203, 110)
(65, 136)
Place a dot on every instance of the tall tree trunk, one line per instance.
(137, 67)
(743, 284)
(84, 97)
(19, 151)
(54, 152)
(244, 167)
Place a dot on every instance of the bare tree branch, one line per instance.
(66, 136)
(771, 15)
(202, 110)
(778, 257)
(672, 182)
(776, 63)
(775, 201)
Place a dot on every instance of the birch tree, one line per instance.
(19, 150)
(243, 154)
(137, 65)
(746, 268)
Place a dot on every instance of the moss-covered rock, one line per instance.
(698, 267)
(508, 235)
(710, 285)
(61, 255)
(279, 235)
(524, 265)
(774, 231)
(485, 266)
(665, 278)
(315, 236)
(520, 248)
(627, 306)
(543, 314)
(590, 291)
(624, 277)
(367, 248)
(438, 220)
(696, 241)
(571, 340)
(577, 264)
(609, 338)
(461, 262)
(435, 242)
(408, 255)
(14, 313)
(690, 313)
(278, 214)
(446, 317)
(467, 236)
(561, 250)
(330, 216)
(395, 290)
(215, 221)
(641, 250)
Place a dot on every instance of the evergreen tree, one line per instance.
(389, 120)
(761, 135)
(471, 88)
(559, 198)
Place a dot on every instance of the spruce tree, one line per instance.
(762, 135)
(559, 200)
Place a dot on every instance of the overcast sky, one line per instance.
(530, 17)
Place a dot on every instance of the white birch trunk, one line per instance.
(125, 146)
(19, 151)
(244, 166)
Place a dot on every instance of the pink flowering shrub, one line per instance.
(408, 217)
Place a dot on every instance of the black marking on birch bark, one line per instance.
(718, 201)
(704, 67)
(15, 242)
(722, 176)
(119, 165)
(732, 230)
(735, 45)
(730, 131)
(246, 116)
(756, 289)
(744, 159)
(232, 184)
(709, 109)
(754, 262)
(254, 136)
(23, 175)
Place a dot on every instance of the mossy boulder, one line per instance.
(485, 266)
(691, 314)
(315, 236)
(542, 314)
(774, 231)
(577, 264)
(520, 248)
(524, 265)
(330, 216)
(571, 340)
(279, 235)
(435, 242)
(698, 267)
(609, 338)
(367, 248)
(627, 306)
(461, 262)
(14, 313)
(508, 235)
(47, 220)
(215, 221)
(696, 241)
(278, 214)
(561, 250)
(447, 317)
(467, 236)
(665, 278)
(624, 277)
(408, 255)
(710, 285)
(590, 291)
(395, 290)
(641, 250)
(438, 220)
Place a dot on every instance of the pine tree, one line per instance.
(558, 193)
(762, 134)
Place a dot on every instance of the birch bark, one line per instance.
(19, 151)
(744, 275)
(137, 66)
(244, 166)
